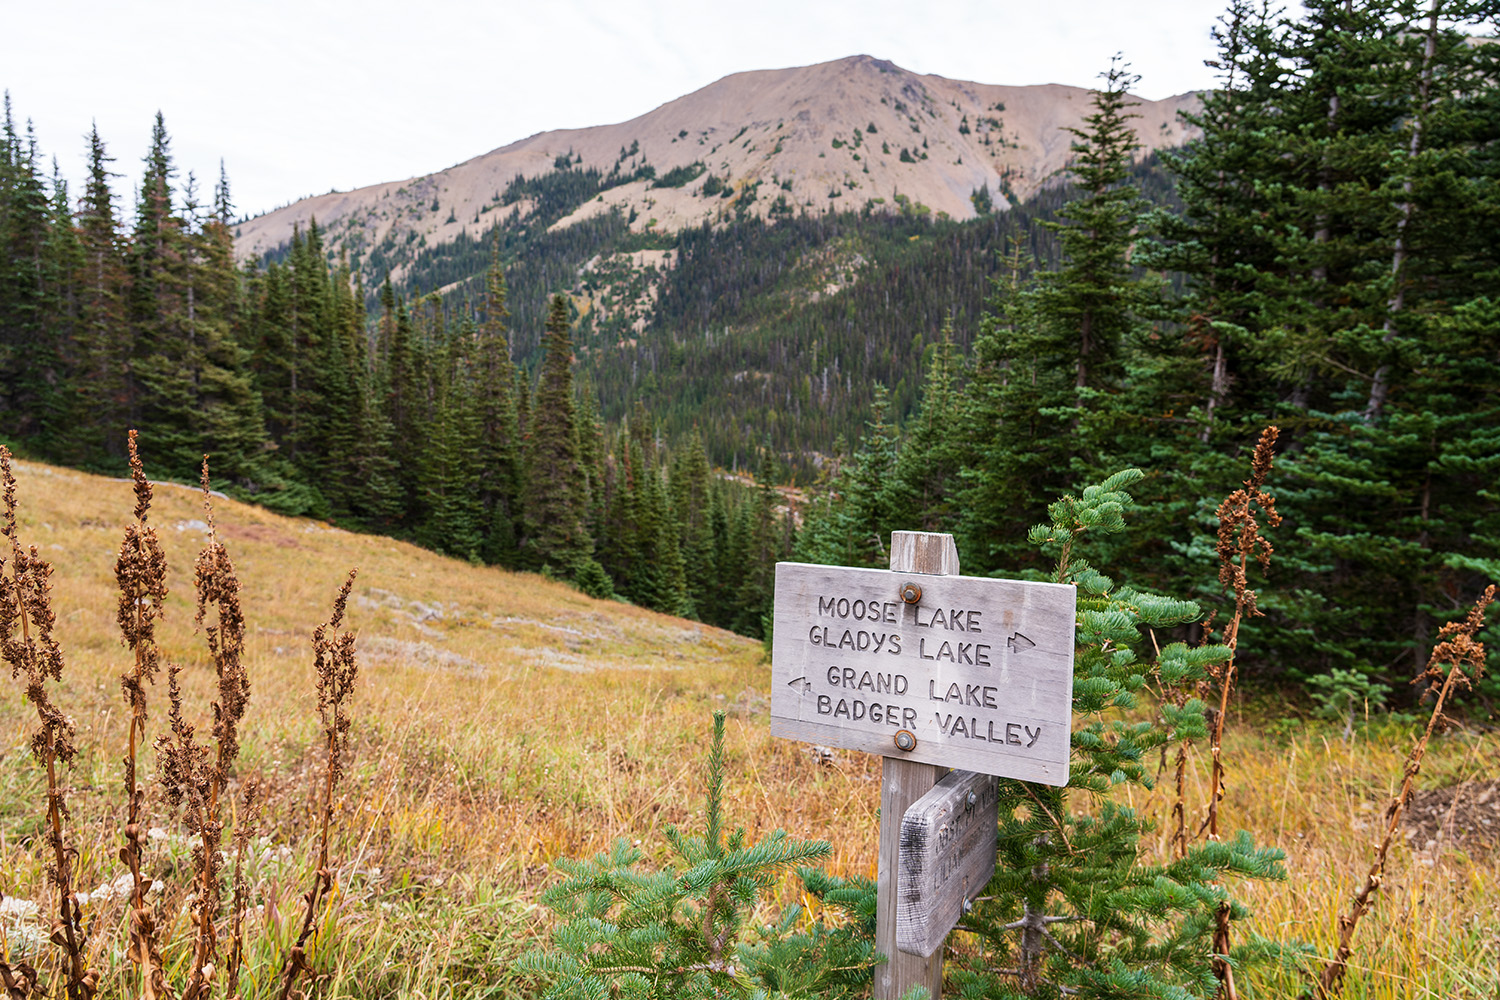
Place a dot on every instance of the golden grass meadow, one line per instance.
(503, 720)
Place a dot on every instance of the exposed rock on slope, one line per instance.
(829, 137)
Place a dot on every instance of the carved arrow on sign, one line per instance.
(1018, 643)
(803, 681)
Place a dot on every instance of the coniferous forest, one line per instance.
(1324, 256)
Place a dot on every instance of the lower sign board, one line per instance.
(958, 671)
(947, 858)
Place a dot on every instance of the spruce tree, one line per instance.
(104, 345)
(862, 504)
(451, 461)
(33, 351)
(1043, 406)
(925, 476)
(1089, 301)
(500, 444)
(691, 485)
(1335, 233)
(191, 389)
(555, 497)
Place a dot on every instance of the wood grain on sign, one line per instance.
(979, 670)
(947, 858)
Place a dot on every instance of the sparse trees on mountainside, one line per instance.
(1322, 255)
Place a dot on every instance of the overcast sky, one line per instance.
(303, 97)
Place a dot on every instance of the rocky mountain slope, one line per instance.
(824, 138)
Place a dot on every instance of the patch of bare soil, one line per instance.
(1466, 815)
(259, 533)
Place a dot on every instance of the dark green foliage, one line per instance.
(190, 390)
(687, 932)
(680, 176)
(1071, 906)
(848, 523)
(500, 459)
(592, 580)
(555, 501)
(1327, 250)
(1050, 387)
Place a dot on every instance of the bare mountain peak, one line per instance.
(829, 137)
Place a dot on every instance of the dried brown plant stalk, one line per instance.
(1239, 541)
(337, 668)
(1178, 839)
(141, 572)
(194, 774)
(250, 796)
(19, 979)
(27, 644)
(1456, 661)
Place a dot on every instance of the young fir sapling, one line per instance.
(1072, 908)
(687, 933)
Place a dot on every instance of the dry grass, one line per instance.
(503, 720)
(1435, 929)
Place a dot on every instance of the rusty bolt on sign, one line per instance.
(911, 593)
(906, 740)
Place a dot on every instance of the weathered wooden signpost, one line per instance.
(931, 670)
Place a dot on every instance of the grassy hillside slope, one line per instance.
(502, 720)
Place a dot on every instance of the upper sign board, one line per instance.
(977, 672)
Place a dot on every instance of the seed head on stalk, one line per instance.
(28, 645)
(194, 774)
(1457, 661)
(336, 668)
(141, 573)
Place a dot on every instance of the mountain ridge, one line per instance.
(763, 142)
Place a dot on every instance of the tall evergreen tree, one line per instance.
(1050, 355)
(691, 485)
(104, 344)
(451, 461)
(925, 476)
(190, 389)
(848, 525)
(32, 349)
(500, 443)
(555, 497)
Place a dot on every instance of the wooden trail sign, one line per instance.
(967, 672)
(947, 857)
(929, 669)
